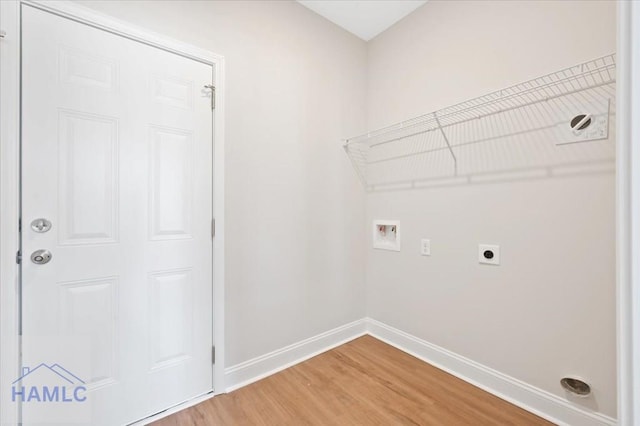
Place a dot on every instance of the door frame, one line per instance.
(10, 109)
(628, 213)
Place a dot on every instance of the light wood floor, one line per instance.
(364, 382)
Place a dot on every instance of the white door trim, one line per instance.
(628, 213)
(9, 175)
(9, 201)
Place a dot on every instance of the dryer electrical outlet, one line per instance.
(489, 254)
(386, 235)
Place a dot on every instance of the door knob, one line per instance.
(40, 257)
(40, 225)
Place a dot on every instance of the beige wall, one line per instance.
(549, 309)
(295, 86)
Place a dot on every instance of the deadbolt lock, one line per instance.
(40, 225)
(40, 257)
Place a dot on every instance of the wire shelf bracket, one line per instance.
(444, 136)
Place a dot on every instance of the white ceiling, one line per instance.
(366, 19)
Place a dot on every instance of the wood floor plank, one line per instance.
(363, 382)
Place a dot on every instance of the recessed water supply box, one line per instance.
(386, 235)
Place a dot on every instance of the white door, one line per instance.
(117, 156)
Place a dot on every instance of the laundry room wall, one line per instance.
(298, 251)
(548, 310)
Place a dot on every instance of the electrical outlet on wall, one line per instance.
(425, 247)
(489, 254)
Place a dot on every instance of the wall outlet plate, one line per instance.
(425, 247)
(386, 234)
(489, 254)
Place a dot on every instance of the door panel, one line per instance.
(88, 173)
(170, 183)
(117, 154)
(89, 308)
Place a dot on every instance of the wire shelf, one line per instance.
(535, 124)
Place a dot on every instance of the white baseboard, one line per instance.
(258, 368)
(530, 398)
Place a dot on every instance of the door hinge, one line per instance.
(18, 257)
(3, 34)
(212, 88)
(213, 228)
(213, 355)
